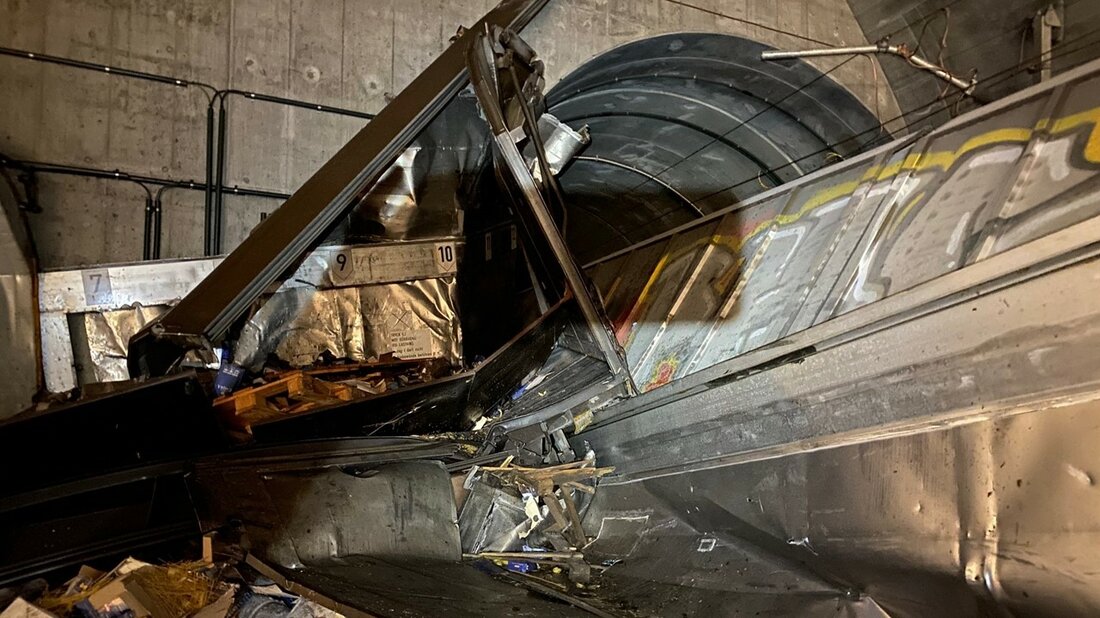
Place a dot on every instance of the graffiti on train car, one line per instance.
(909, 244)
(950, 208)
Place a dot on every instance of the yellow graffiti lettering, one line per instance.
(916, 162)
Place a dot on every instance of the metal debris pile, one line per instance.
(527, 519)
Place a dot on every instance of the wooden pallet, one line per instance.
(292, 394)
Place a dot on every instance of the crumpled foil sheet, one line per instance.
(109, 333)
(412, 320)
(392, 202)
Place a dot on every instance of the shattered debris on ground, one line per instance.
(137, 589)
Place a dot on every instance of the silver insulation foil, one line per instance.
(354, 302)
(411, 320)
(108, 334)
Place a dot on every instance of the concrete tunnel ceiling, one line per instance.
(686, 124)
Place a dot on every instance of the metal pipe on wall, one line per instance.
(102, 68)
(214, 220)
(151, 241)
(214, 158)
(147, 229)
(208, 204)
(214, 216)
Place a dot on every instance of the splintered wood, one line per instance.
(293, 394)
(547, 483)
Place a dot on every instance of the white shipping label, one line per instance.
(97, 286)
(411, 344)
(342, 265)
(445, 258)
(363, 265)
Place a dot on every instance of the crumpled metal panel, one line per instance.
(989, 517)
(108, 334)
(491, 520)
(104, 288)
(391, 202)
(561, 143)
(411, 320)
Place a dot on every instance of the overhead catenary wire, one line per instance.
(901, 84)
(749, 22)
(1004, 75)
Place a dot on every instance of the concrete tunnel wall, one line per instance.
(335, 52)
(686, 124)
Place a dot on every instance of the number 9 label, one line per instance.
(340, 267)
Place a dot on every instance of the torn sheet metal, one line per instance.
(411, 320)
(491, 519)
(108, 336)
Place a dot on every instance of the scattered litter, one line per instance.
(137, 589)
(19, 608)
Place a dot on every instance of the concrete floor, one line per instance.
(348, 53)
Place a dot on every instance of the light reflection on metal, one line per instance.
(391, 203)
